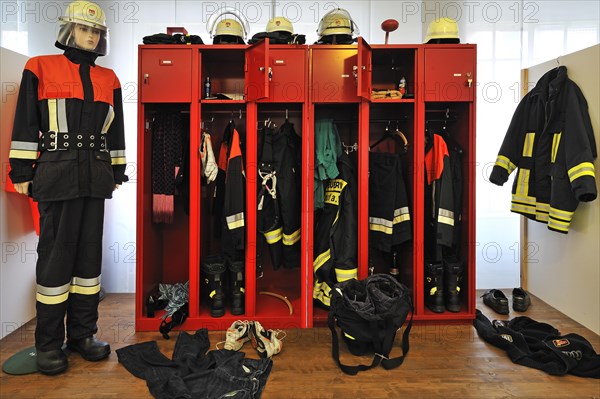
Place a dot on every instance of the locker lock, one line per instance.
(146, 77)
(270, 74)
(469, 79)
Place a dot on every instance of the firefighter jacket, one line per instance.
(71, 95)
(279, 188)
(439, 199)
(230, 194)
(336, 233)
(551, 143)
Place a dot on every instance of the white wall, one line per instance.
(17, 235)
(564, 271)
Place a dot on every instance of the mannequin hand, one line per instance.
(22, 188)
(116, 187)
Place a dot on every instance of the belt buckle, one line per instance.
(55, 141)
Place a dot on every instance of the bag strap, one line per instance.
(335, 351)
(388, 343)
(386, 348)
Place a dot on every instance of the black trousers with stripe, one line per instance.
(68, 270)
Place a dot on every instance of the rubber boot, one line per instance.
(213, 269)
(434, 291)
(452, 277)
(236, 286)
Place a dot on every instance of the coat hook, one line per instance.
(286, 114)
(240, 113)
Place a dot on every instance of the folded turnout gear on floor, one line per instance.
(541, 346)
(193, 372)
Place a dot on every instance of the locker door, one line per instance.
(166, 75)
(447, 74)
(333, 78)
(289, 71)
(365, 69)
(258, 71)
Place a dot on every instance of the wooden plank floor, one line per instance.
(445, 361)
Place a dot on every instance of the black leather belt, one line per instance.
(52, 141)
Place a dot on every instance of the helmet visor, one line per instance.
(84, 36)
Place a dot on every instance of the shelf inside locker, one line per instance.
(393, 100)
(225, 69)
(223, 101)
(390, 65)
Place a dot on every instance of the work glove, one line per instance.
(210, 168)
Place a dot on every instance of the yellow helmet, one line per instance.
(442, 30)
(89, 15)
(280, 24)
(337, 22)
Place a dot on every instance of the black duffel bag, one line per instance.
(369, 313)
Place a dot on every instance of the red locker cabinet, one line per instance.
(165, 74)
(449, 73)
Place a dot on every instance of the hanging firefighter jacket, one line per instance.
(551, 142)
(336, 233)
(439, 198)
(279, 183)
(328, 148)
(389, 216)
(230, 194)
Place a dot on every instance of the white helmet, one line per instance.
(228, 30)
(83, 26)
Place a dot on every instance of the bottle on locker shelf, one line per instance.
(207, 85)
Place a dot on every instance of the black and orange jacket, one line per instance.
(230, 195)
(551, 142)
(68, 93)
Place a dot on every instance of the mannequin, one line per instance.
(68, 153)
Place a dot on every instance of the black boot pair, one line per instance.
(56, 361)
(223, 278)
(442, 286)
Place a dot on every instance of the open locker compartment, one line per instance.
(163, 241)
(345, 117)
(389, 125)
(279, 247)
(392, 63)
(455, 123)
(224, 66)
(214, 120)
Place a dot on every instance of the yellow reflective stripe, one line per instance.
(542, 217)
(523, 182)
(337, 215)
(235, 221)
(505, 163)
(583, 169)
(522, 209)
(212, 293)
(110, 116)
(528, 145)
(542, 207)
(555, 144)
(445, 220)
(291, 239)
(557, 225)
(433, 291)
(52, 119)
(273, 236)
(78, 289)
(23, 154)
(349, 336)
(321, 259)
(61, 115)
(345, 274)
(118, 161)
(524, 199)
(380, 228)
(560, 214)
(402, 218)
(52, 299)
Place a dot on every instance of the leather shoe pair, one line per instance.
(52, 362)
(520, 300)
(496, 300)
(90, 348)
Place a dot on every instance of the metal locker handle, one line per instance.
(146, 77)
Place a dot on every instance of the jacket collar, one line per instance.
(82, 57)
(551, 83)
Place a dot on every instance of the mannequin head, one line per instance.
(85, 37)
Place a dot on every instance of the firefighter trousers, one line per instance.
(68, 270)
